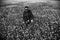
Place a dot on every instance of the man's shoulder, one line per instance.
(29, 10)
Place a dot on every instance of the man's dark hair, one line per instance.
(26, 7)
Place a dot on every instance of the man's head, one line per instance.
(26, 7)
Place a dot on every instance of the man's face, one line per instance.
(26, 9)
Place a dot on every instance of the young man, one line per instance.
(27, 16)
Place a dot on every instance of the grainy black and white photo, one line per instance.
(29, 19)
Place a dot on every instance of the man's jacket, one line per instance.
(27, 15)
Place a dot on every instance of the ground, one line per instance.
(46, 25)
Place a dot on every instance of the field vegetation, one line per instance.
(46, 25)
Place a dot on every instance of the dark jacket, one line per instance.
(27, 15)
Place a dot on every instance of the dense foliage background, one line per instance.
(46, 25)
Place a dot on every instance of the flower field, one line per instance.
(46, 25)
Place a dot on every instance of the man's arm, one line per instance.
(24, 16)
(30, 14)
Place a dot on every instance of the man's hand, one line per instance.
(26, 21)
(23, 22)
(32, 20)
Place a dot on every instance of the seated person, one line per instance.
(27, 16)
